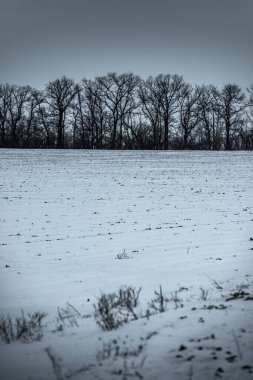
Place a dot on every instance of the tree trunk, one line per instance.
(60, 131)
(228, 141)
(166, 134)
(113, 142)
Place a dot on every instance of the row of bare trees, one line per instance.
(123, 111)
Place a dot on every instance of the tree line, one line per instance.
(123, 111)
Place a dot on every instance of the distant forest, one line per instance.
(123, 111)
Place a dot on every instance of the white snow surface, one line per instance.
(183, 219)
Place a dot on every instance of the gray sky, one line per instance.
(206, 41)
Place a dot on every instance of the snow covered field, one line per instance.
(74, 224)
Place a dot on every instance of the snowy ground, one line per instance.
(183, 219)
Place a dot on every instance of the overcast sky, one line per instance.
(206, 41)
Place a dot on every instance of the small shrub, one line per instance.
(115, 309)
(69, 314)
(115, 348)
(159, 303)
(239, 293)
(174, 298)
(203, 294)
(127, 359)
(217, 285)
(123, 255)
(25, 328)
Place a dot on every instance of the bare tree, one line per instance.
(250, 104)
(231, 103)
(189, 112)
(160, 101)
(19, 96)
(210, 117)
(30, 130)
(117, 91)
(60, 95)
(151, 108)
(79, 124)
(44, 128)
(171, 89)
(5, 95)
(96, 115)
(246, 132)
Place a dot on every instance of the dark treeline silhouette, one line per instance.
(123, 111)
